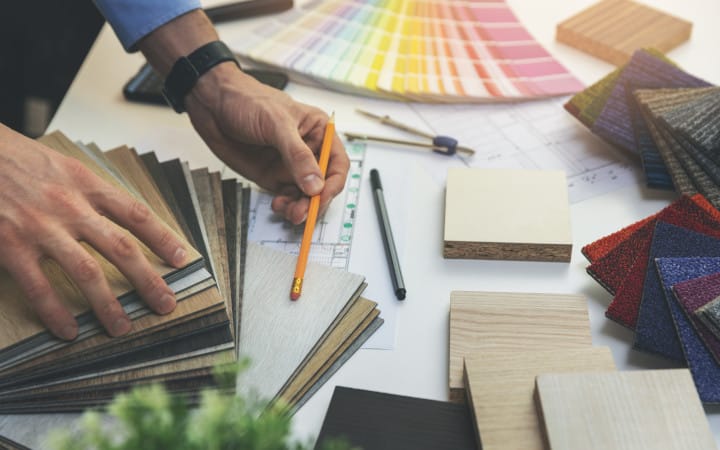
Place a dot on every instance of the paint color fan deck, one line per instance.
(417, 50)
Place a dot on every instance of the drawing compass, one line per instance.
(445, 145)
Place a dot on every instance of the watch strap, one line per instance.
(188, 69)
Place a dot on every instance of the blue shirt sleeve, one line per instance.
(133, 19)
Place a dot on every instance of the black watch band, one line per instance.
(188, 69)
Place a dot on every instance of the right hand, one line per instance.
(48, 203)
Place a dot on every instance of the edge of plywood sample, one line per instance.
(511, 214)
(639, 410)
(500, 388)
(512, 321)
(613, 29)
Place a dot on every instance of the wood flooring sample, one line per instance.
(500, 388)
(643, 409)
(613, 29)
(511, 214)
(380, 421)
(277, 334)
(511, 322)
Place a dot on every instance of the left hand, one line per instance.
(267, 137)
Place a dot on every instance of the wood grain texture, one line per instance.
(380, 421)
(500, 386)
(507, 214)
(152, 165)
(204, 302)
(650, 409)
(214, 231)
(277, 334)
(510, 322)
(17, 321)
(613, 29)
(355, 321)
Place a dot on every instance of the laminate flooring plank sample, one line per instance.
(638, 410)
(378, 421)
(277, 334)
(500, 388)
(357, 319)
(509, 322)
(507, 214)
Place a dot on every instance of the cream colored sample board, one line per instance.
(500, 388)
(638, 410)
(510, 322)
(511, 214)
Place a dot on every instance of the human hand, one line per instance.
(267, 137)
(258, 131)
(48, 203)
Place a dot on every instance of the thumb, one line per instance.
(300, 161)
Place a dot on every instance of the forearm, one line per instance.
(176, 39)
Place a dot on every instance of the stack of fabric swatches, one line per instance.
(420, 50)
(664, 274)
(663, 115)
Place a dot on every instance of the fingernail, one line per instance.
(69, 332)
(312, 184)
(120, 326)
(167, 304)
(179, 256)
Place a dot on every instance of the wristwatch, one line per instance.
(188, 69)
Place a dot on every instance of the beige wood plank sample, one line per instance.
(613, 29)
(277, 334)
(500, 388)
(512, 214)
(644, 409)
(512, 321)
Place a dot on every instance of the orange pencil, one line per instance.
(296, 289)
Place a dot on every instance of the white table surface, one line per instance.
(94, 110)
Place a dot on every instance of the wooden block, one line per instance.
(500, 388)
(613, 29)
(510, 322)
(510, 214)
(649, 409)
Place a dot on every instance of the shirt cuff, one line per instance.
(134, 19)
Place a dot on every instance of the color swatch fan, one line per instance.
(421, 50)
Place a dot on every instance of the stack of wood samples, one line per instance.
(644, 409)
(294, 346)
(508, 214)
(39, 373)
(510, 322)
(500, 388)
(613, 29)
